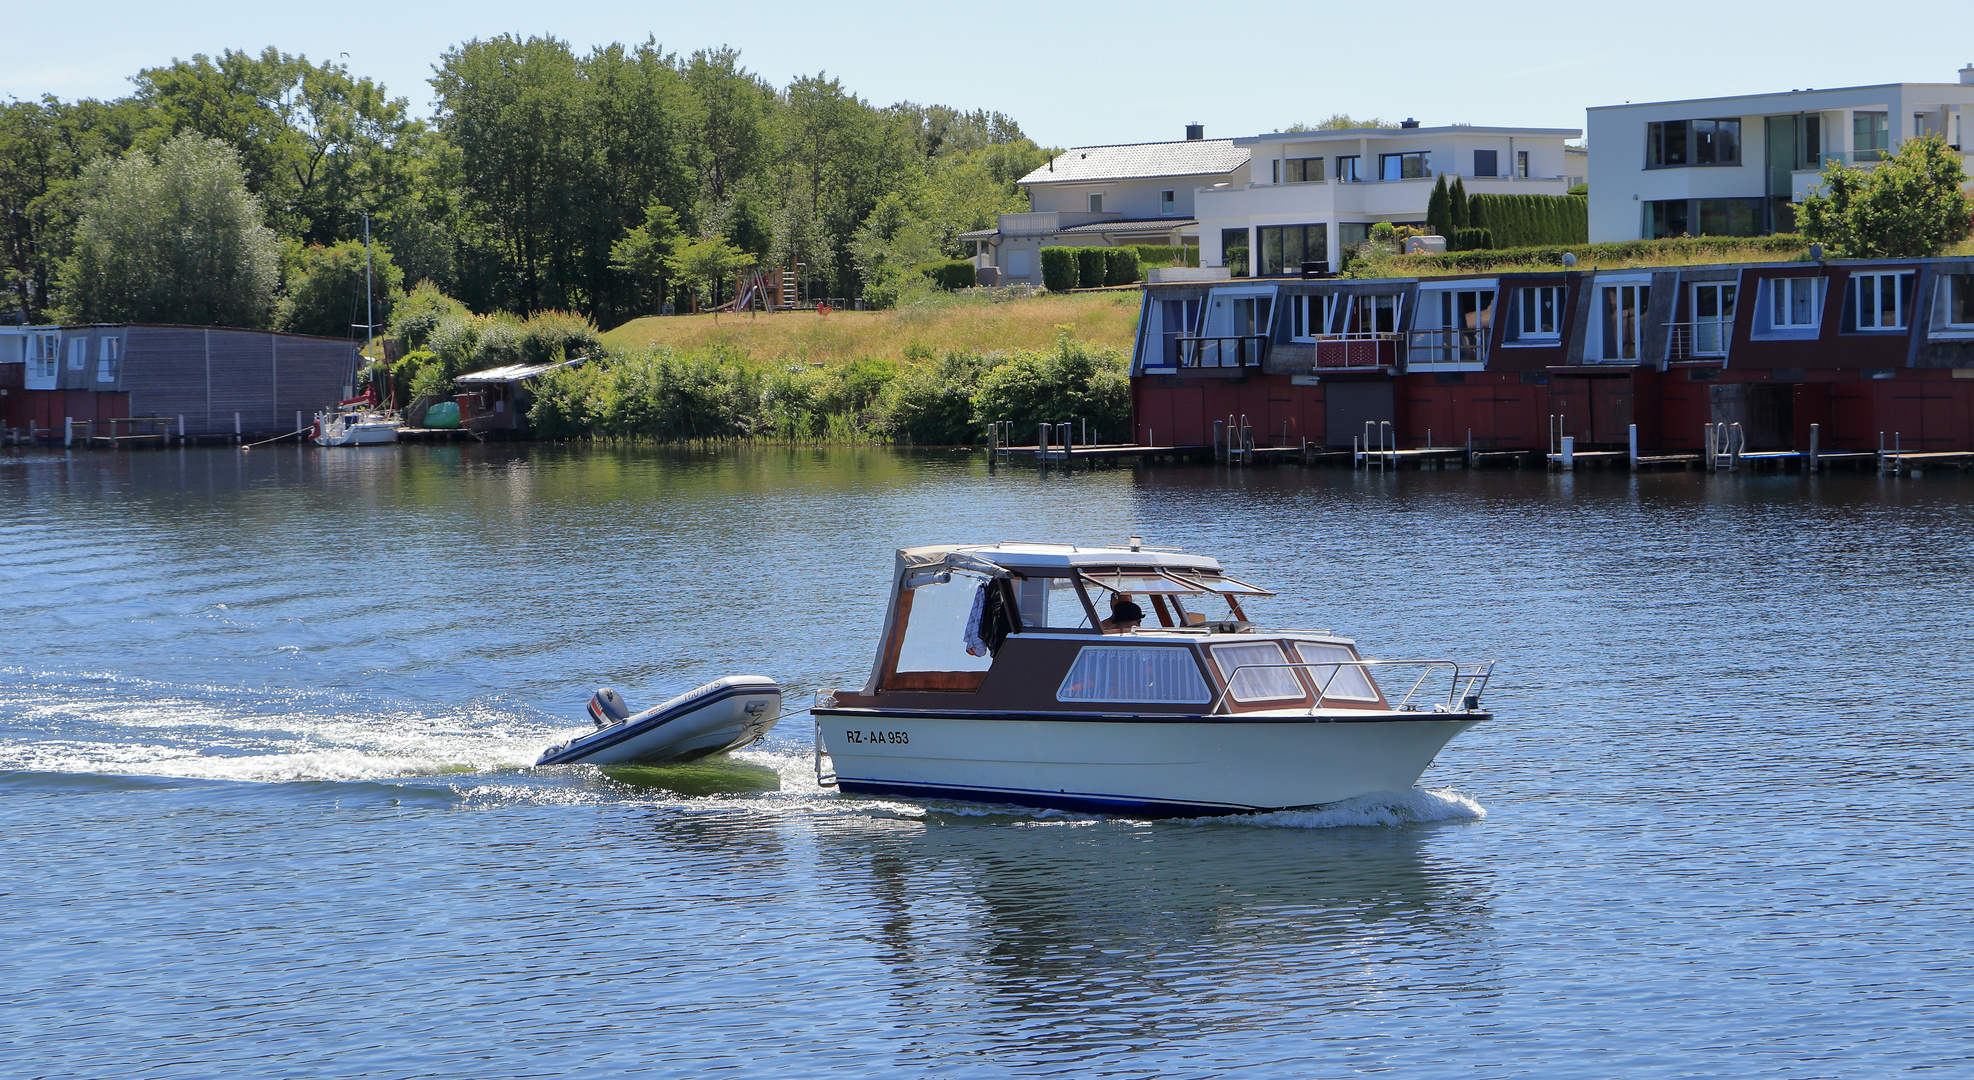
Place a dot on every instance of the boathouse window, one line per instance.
(936, 624)
(1713, 318)
(1623, 309)
(1340, 677)
(1258, 672)
(1795, 303)
(1378, 314)
(1880, 301)
(47, 355)
(1536, 313)
(107, 358)
(1135, 673)
(78, 354)
(1957, 300)
(1308, 317)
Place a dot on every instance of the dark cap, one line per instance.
(1122, 610)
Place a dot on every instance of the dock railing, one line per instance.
(1465, 682)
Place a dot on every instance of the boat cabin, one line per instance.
(1025, 627)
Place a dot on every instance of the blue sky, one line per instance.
(1081, 73)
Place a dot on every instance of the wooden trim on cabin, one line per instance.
(899, 621)
(943, 681)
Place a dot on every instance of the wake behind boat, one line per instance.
(997, 680)
(722, 715)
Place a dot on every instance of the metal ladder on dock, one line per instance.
(1378, 446)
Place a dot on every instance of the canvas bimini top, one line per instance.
(1041, 560)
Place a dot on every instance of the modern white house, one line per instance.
(1311, 194)
(1734, 166)
(1109, 196)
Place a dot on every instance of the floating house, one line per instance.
(211, 378)
(1865, 350)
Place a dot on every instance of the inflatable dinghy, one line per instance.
(726, 714)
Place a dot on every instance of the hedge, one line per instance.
(1166, 254)
(1059, 272)
(950, 273)
(1090, 271)
(1473, 239)
(1531, 220)
(1782, 246)
(1120, 266)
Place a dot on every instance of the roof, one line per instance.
(1404, 133)
(1023, 556)
(515, 372)
(1131, 161)
(1143, 225)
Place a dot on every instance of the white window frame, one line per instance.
(1778, 297)
(45, 356)
(1367, 311)
(78, 354)
(109, 358)
(1528, 300)
(1722, 322)
(1432, 348)
(1268, 683)
(1301, 326)
(1875, 284)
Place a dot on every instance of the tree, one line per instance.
(1342, 122)
(175, 240)
(1909, 206)
(325, 288)
(704, 264)
(45, 146)
(1456, 203)
(643, 254)
(1439, 213)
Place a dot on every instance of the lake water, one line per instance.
(266, 722)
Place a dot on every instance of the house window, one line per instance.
(1871, 135)
(1538, 313)
(1624, 308)
(1484, 162)
(1299, 171)
(1713, 318)
(1414, 165)
(1097, 203)
(1521, 164)
(1233, 251)
(1168, 202)
(1021, 263)
(107, 358)
(1676, 144)
(1703, 217)
(1284, 248)
(1881, 301)
(1667, 217)
(1348, 171)
(78, 354)
(1958, 291)
(1795, 303)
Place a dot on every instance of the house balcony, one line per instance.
(1400, 199)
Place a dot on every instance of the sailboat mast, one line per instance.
(369, 311)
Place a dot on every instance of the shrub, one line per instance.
(1532, 220)
(931, 402)
(453, 340)
(1059, 269)
(1120, 266)
(552, 335)
(1473, 239)
(1071, 382)
(1166, 254)
(503, 341)
(419, 312)
(1090, 271)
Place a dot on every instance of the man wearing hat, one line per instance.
(1124, 615)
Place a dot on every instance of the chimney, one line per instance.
(1196, 132)
(1967, 75)
(1408, 122)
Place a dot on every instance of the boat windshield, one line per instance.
(1144, 583)
(1050, 602)
(937, 624)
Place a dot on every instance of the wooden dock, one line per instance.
(1905, 464)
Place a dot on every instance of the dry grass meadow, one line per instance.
(959, 323)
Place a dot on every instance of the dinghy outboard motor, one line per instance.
(607, 707)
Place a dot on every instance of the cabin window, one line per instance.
(1881, 301)
(1339, 677)
(1258, 672)
(936, 627)
(1135, 673)
(47, 354)
(1050, 603)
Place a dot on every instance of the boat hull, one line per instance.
(1152, 765)
(378, 434)
(723, 715)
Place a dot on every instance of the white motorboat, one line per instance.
(996, 680)
(355, 427)
(725, 714)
